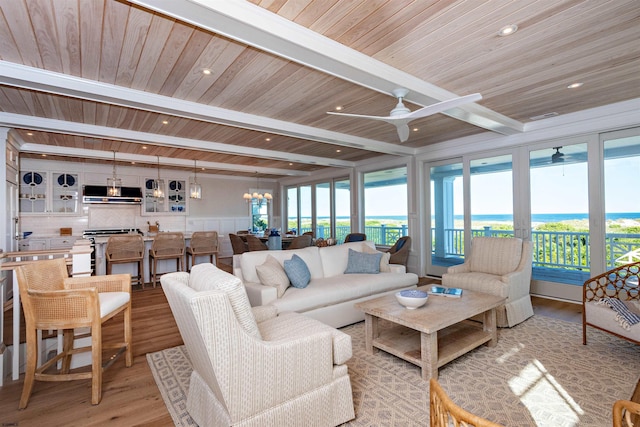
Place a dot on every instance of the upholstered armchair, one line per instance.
(251, 367)
(498, 266)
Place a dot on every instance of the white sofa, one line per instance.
(331, 294)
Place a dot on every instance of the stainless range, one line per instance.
(92, 234)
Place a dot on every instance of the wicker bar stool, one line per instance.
(125, 249)
(166, 245)
(203, 243)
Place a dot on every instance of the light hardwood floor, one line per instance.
(130, 396)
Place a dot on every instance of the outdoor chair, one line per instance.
(400, 251)
(497, 266)
(355, 237)
(203, 243)
(443, 412)
(54, 301)
(610, 300)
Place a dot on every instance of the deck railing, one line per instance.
(555, 249)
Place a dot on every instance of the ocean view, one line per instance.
(536, 218)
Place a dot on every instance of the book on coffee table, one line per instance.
(447, 292)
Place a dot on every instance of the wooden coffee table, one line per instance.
(434, 334)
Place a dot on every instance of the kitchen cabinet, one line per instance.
(43, 244)
(49, 192)
(174, 198)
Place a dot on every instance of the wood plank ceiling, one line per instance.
(82, 78)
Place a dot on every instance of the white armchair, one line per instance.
(498, 266)
(251, 367)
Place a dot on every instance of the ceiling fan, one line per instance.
(400, 116)
(557, 157)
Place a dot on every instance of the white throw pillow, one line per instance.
(271, 273)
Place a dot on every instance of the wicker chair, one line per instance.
(400, 251)
(620, 283)
(165, 246)
(355, 237)
(238, 245)
(203, 243)
(53, 301)
(443, 412)
(255, 244)
(300, 242)
(125, 249)
(626, 413)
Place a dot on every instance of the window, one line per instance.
(385, 205)
(292, 210)
(342, 201)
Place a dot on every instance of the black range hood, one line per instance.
(98, 194)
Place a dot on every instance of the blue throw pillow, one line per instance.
(297, 272)
(363, 263)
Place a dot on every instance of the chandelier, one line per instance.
(158, 185)
(114, 184)
(195, 189)
(256, 197)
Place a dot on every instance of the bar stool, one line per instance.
(202, 243)
(125, 249)
(166, 245)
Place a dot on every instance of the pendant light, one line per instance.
(195, 189)
(114, 184)
(257, 197)
(158, 185)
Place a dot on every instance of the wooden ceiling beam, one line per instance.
(257, 27)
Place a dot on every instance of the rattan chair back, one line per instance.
(166, 245)
(300, 242)
(203, 243)
(255, 244)
(44, 275)
(125, 248)
(444, 413)
(400, 256)
(237, 244)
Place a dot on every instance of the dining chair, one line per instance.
(203, 243)
(300, 242)
(53, 301)
(166, 245)
(238, 245)
(355, 237)
(255, 244)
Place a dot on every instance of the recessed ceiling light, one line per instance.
(339, 108)
(144, 147)
(267, 139)
(338, 151)
(133, 163)
(415, 129)
(165, 122)
(30, 133)
(206, 71)
(44, 155)
(574, 85)
(290, 164)
(507, 30)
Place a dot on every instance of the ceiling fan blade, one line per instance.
(360, 116)
(403, 131)
(441, 106)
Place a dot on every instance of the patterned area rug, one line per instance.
(539, 374)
